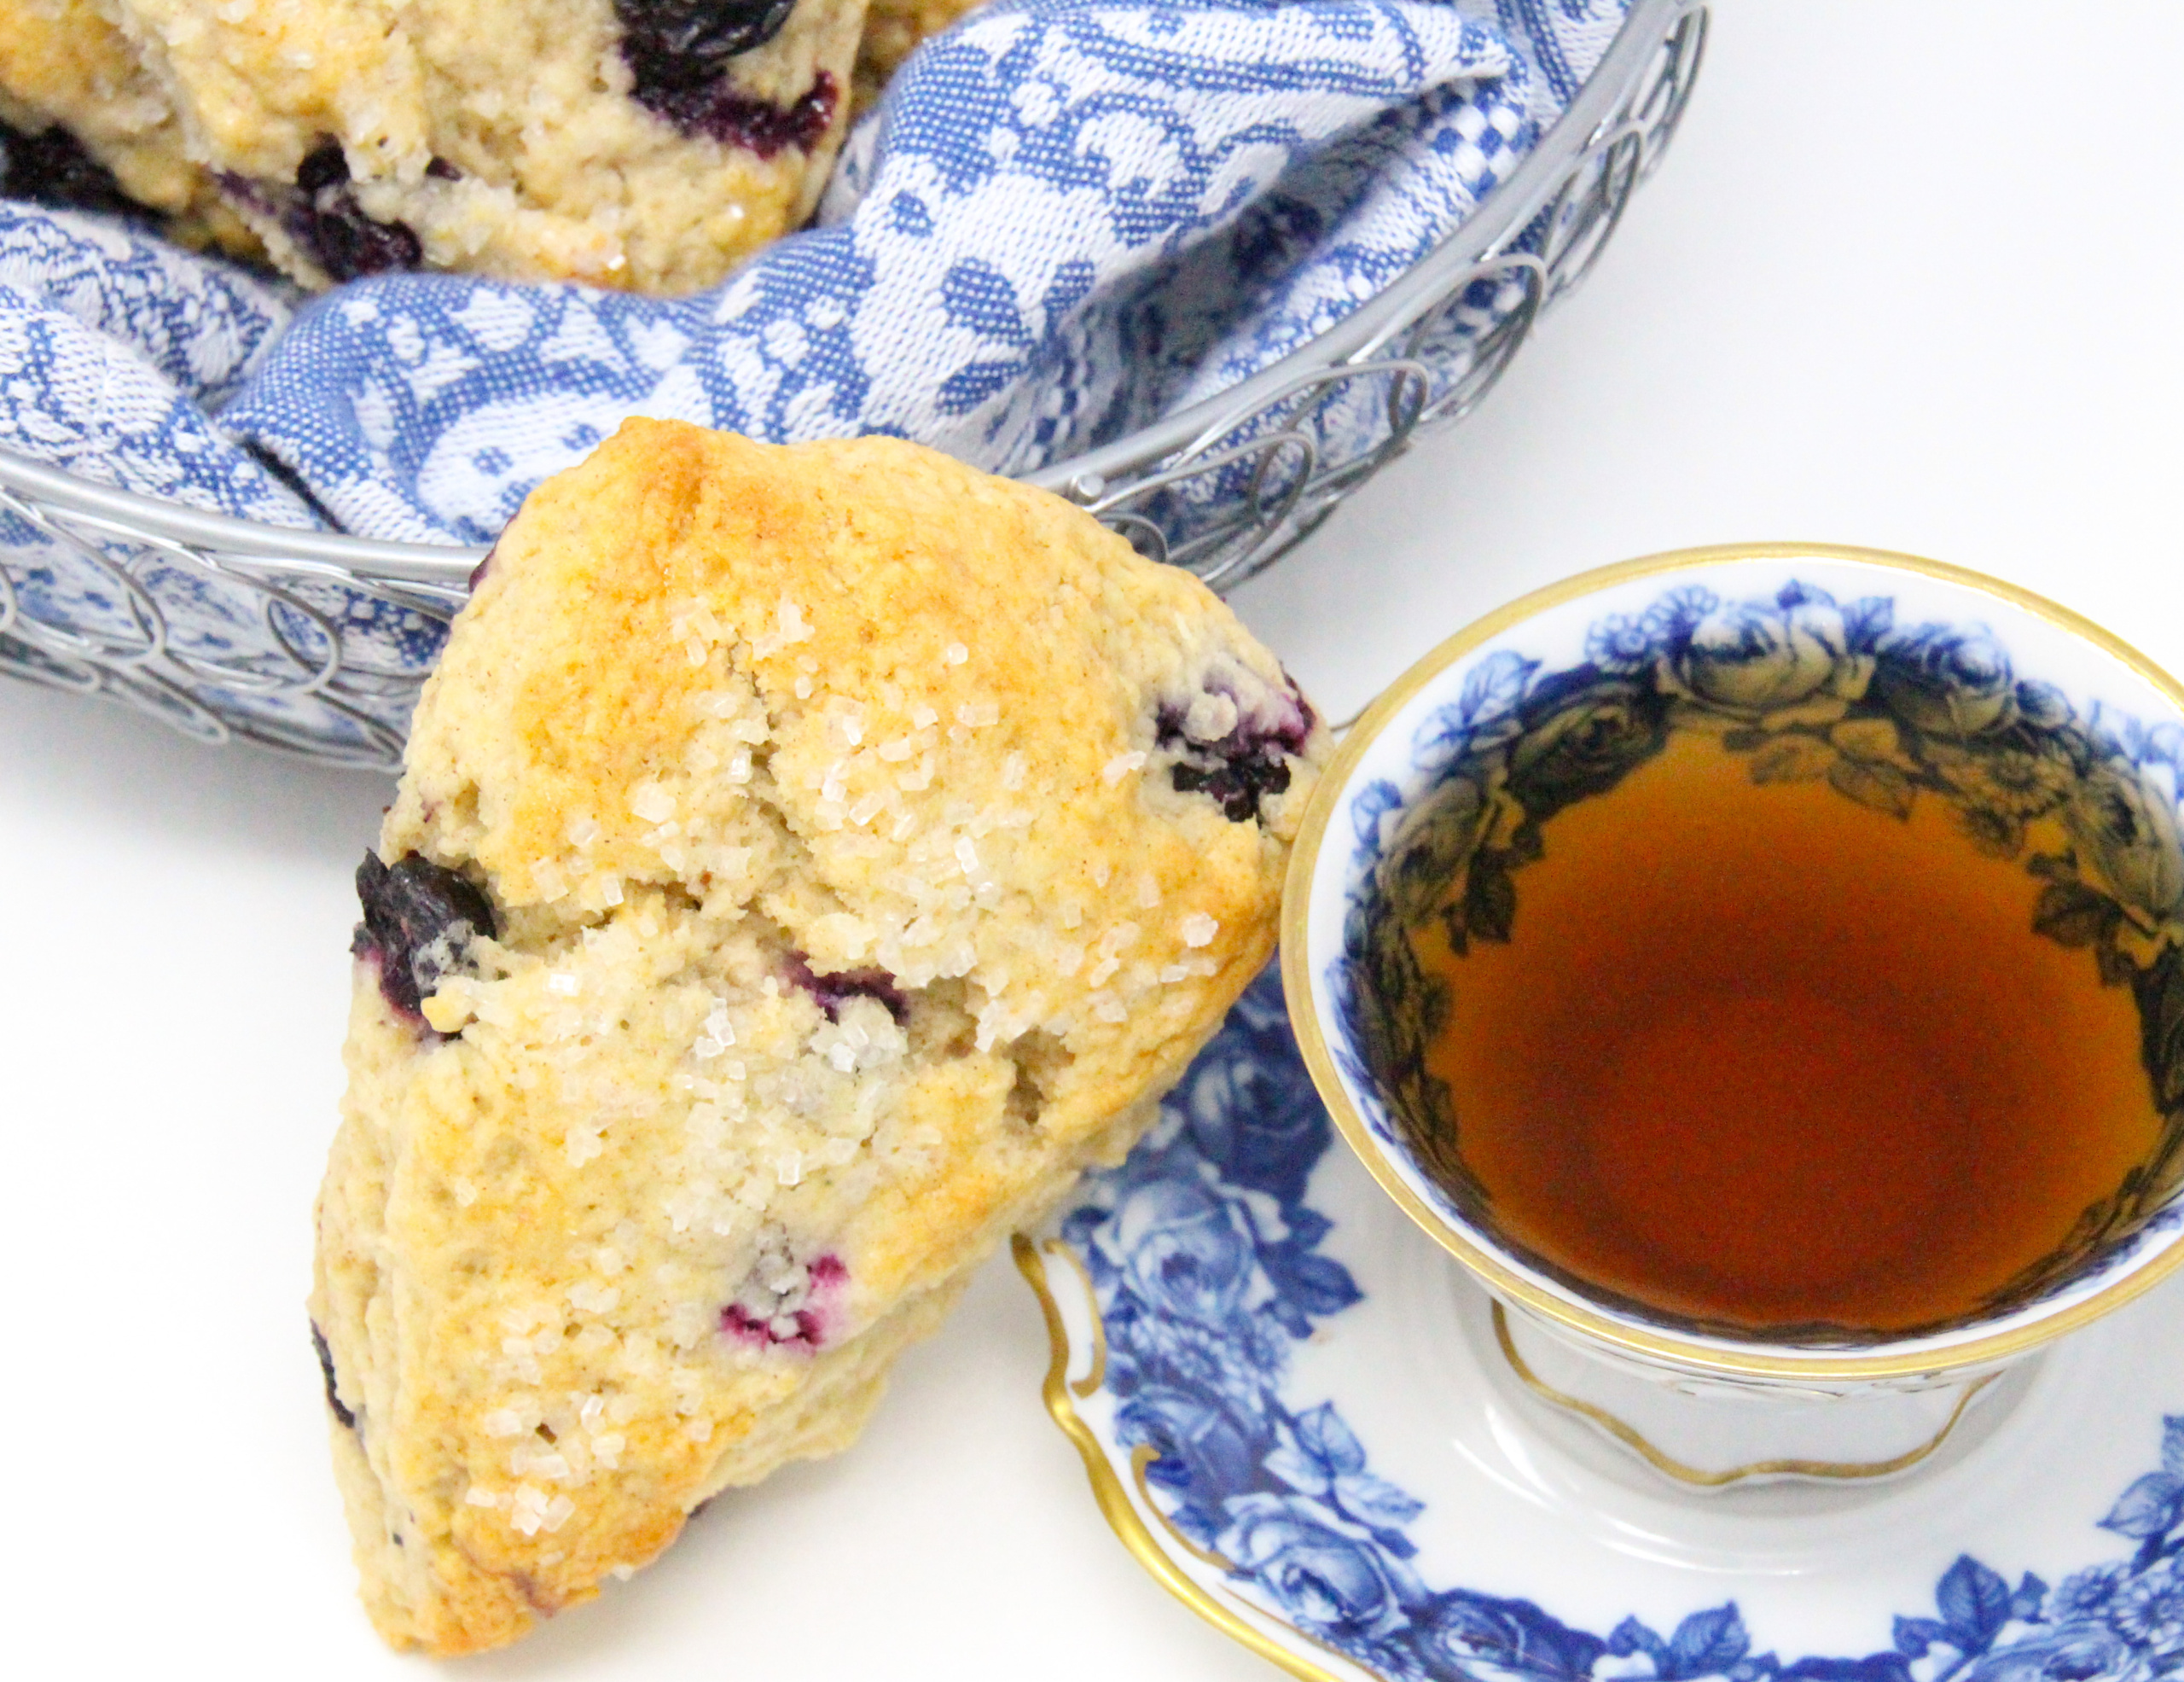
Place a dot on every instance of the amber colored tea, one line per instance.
(1763, 1056)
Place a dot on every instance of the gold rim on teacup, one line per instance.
(1508, 1282)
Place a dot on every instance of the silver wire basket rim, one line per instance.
(1586, 124)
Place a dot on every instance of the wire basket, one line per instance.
(317, 644)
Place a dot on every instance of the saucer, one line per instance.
(1296, 1413)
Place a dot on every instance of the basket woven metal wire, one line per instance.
(317, 644)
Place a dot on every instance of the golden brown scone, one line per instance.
(809, 860)
(63, 63)
(892, 30)
(648, 145)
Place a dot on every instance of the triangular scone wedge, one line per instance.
(810, 859)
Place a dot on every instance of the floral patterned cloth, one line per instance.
(117, 349)
(1067, 217)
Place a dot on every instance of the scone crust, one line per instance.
(505, 137)
(502, 133)
(66, 62)
(892, 31)
(847, 907)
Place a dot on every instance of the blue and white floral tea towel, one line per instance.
(116, 352)
(1067, 217)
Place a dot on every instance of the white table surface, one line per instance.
(1911, 277)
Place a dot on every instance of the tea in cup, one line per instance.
(1763, 968)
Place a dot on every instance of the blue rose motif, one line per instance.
(1583, 741)
(2072, 1652)
(1753, 659)
(1327, 1574)
(1204, 1452)
(2125, 818)
(1432, 841)
(1948, 681)
(1236, 1366)
(1471, 1637)
(1258, 1120)
(1184, 1252)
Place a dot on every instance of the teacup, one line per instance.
(1915, 694)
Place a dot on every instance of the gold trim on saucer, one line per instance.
(1631, 1438)
(1096, 1374)
(1503, 1280)
(1141, 1456)
(1113, 1497)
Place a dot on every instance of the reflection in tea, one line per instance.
(1764, 1056)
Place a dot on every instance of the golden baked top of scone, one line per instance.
(810, 860)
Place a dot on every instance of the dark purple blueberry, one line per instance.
(50, 168)
(681, 44)
(419, 923)
(440, 170)
(790, 1315)
(325, 219)
(1236, 786)
(1245, 767)
(326, 1368)
(326, 165)
(716, 111)
(834, 992)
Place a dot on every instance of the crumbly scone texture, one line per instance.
(866, 844)
(892, 30)
(619, 144)
(64, 63)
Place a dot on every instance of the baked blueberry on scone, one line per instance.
(808, 859)
(648, 144)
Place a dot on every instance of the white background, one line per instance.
(1911, 277)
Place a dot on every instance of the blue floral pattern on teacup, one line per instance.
(1797, 657)
(1804, 687)
(1205, 1253)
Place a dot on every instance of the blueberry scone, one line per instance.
(82, 123)
(892, 30)
(809, 860)
(648, 144)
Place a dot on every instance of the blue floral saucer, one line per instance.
(1295, 1414)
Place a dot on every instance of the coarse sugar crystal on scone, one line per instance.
(809, 860)
(649, 144)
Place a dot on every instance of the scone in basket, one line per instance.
(317, 644)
